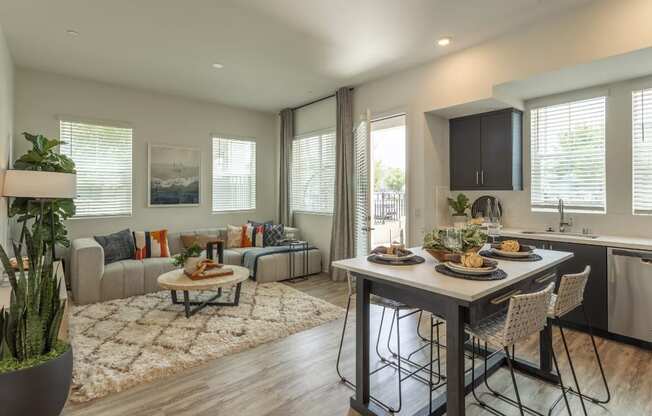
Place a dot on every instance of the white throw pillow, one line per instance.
(233, 236)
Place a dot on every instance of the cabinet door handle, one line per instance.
(477, 178)
(504, 298)
(545, 278)
(482, 177)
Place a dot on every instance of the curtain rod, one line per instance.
(316, 101)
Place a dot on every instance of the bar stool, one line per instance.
(400, 360)
(570, 296)
(525, 316)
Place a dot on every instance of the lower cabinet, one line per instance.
(595, 294)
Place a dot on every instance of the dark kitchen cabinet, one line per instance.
(465, 162)
(595, 293)
(486, 151)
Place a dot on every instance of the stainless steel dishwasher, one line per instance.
(630, 293)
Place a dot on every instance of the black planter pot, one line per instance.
(41, 390)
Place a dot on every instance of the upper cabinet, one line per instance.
(486, 151)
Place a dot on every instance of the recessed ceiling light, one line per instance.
(217, 66)
(444, 41)
(72, 32)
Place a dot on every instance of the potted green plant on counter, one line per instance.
(35, 365)
(459, 206)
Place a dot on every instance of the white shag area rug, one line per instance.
(121, 343)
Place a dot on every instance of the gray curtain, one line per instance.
(287, 135)
(342, 240)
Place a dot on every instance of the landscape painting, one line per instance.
(174, 176)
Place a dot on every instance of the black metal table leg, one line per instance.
(187, 303)
(455, 389)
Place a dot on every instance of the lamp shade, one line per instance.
(39, 184)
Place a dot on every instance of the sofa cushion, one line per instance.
(117, 246)
(153, 268)
(122, 279)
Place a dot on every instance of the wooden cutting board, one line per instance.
(211, 274)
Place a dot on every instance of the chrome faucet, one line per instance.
(563, 223)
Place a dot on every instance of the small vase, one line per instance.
(191, 264)
(459, 221)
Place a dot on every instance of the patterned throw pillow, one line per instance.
(274, 233)
(259, 236)
(117, 246)
(233, 236)
(247, 235)
(151, 244)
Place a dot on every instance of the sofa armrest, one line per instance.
(86, 270)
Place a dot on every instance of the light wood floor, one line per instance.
(296, 376)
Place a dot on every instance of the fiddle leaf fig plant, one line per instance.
(43, 157)
(459, 205)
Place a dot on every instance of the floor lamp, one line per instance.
(41, 187)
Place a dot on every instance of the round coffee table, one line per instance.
(176, 280)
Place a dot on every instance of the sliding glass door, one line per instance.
(387, 182)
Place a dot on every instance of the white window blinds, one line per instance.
(642, 151)
(102, 156)
(568, 155)
(234, 174)
(312, 174)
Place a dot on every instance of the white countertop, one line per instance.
(601, 240)
(424, 276)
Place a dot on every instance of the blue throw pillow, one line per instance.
(274, 233)
(117, 246)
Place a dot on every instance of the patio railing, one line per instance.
(388, 206)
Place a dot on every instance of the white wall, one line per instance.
(601, 29)
(6, 123)
(155, 118)
(316, 228)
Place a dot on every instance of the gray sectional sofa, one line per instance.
(93, 281)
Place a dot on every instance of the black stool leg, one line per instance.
(561, 383)
(597, 356)
(339, 350)
(511, 370)
(572, 367)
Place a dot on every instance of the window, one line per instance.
(102, 156)
(234, 174)
(312, 184)
(568, 155)
(642, 151)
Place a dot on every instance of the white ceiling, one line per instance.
(276, 53)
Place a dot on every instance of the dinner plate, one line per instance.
(394, 257)
(514, 254)
(475, 271)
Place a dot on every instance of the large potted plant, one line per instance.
(35, 365)
(43, 157)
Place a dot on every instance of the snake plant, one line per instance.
(29, 328)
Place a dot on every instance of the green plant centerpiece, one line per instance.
(473, 238)
(43, 157)
(459, 205)
(29, 330)
(194, 251)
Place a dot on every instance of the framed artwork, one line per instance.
(174, 176)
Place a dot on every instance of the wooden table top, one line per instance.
(177, 280)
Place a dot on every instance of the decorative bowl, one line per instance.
(446, 255)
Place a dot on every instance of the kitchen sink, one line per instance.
(581, 235)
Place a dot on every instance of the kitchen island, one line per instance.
(459, 302)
